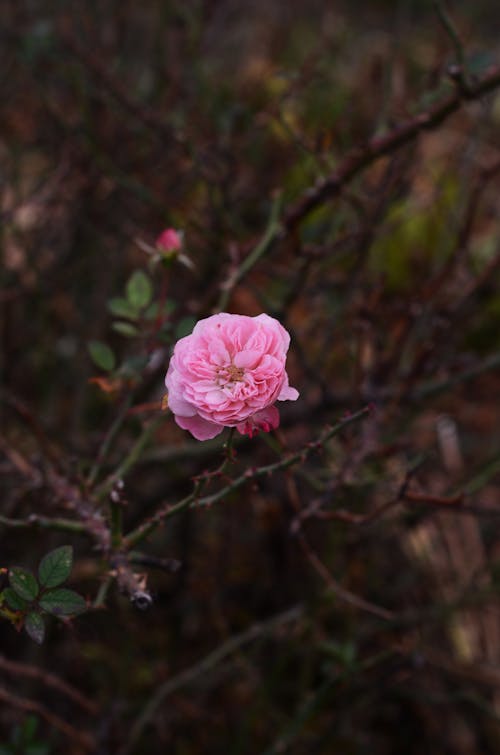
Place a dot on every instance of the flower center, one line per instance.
(229, 374)
(235, 373)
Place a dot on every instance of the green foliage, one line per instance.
(139, 290)
(184, 327)
(62, 602)
(13, 600)
(416, 233)
(23, 582)
(377, 287)
(23, 740)
(27, 599)
(122, 308)
(125, 329)
(55, 567)
(102, 355)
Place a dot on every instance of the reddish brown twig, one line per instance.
(361, 157)
(83, 739)
(50, 680)
(433, 500)
(346, 596)
(98, 71)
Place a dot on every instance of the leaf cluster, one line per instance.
(30, 597)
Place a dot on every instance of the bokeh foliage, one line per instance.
(120, 119)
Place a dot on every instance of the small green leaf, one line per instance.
(62, 602)
(35, 627)
(23, 582)
(55, 567)
(184, 327)
(13, 600)
(125, 329)
(122, 308)
(139, 290)
(102, 355)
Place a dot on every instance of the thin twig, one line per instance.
(315, 700)
(361, 157)
(270, 236)
(133, 455)
(336, 589)
(192, 500)
(50, 680)
(434, 387)
(204, 667)
(81, 738)
(98, 71)
(450, 29)
(109, 438)
(46, 523)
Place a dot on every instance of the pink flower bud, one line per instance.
(169, 240)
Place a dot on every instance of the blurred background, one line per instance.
(345, 606)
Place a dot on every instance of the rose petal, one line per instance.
(248, 358)
(229, 373)
(266, 420)
(201, 429)
(178, 405)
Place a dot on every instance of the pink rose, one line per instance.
(229, 373)
(169, 241)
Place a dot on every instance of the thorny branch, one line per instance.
(355, 162)
(406, 132)
(192, 500)
(50, 680)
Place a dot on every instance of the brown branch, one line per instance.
(405, 133)
(205, 666)
(83, 739)
(50, 680)
(346, 596)
(433, 500)
(98, 71)
(194, 501)
(130, 582)
(30, 419)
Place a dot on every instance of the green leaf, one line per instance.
(185, 326)
(62, 602)
(55, 567)
(23, 582)
(102, 355)
(13, 600)
(35, 627)
(139, 290)
(122, 308)
(126, 329)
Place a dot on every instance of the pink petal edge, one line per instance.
(266, 420)
(200, 428)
